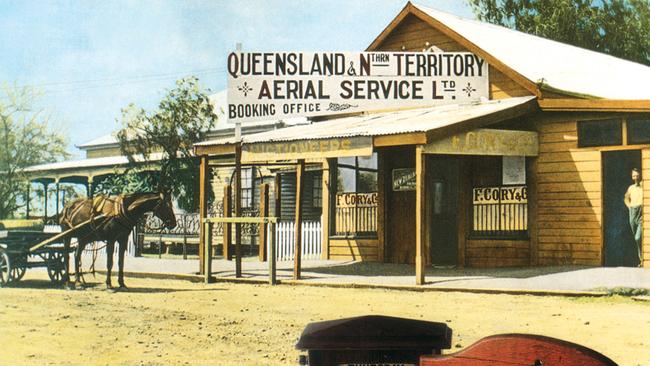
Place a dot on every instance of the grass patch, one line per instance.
(624, 291)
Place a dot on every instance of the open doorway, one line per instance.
(619, 247)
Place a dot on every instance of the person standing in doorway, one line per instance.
(634, 202)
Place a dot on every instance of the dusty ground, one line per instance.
(165, 322)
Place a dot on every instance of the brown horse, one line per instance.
(120, 214)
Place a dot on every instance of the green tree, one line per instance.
(25, 140)
(183, 117)
(617, 27)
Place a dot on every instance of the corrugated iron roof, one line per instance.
(88, 163)
(558, 65)
(378, 124)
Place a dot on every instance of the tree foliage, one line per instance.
(617, 27)
(183, 117)
(25, 140)
(132, 181)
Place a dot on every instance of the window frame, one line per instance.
(580, 131)
(497, 235)
(357, 169)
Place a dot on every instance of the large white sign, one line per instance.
(275, 85)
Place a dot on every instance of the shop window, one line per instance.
(499, 197)
(356, 196)
(606, 132)
(317, 190)
(638, 131)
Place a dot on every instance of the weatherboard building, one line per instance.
(456, 143)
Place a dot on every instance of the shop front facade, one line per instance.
(535, 174)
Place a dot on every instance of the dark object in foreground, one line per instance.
(520, 349)
(373, 340)
(388, 341)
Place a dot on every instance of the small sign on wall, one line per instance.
(495, 195)
(404, 179)
(514, 170)
(356, 199)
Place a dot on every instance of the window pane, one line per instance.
(605, 132)
(367, 182)
(369, 162)
(638, 131)
(346, 180)
(347, 161)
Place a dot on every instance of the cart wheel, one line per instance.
(5, 268)
(55, 266)
(18, 268)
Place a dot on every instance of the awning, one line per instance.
(358, 135)
(85, 167)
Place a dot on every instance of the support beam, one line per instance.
(327, 207)
(300, 172)
(90, 189)
(381, 205)
(45, 185)
(227, 228)
(420, 215)
(238, 210)
(277, 190)
(264, 212)
(203, 211)
(56, 211)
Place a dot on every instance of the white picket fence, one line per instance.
(312, 234)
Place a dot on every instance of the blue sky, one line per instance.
(92, 58)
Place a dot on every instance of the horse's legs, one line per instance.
(123, 242)
(77, 261)
(66, 262)
(110, 244)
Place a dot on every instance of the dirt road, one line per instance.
(166, 322)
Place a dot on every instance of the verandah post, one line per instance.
(227, 228)
(203, 209)
(300, 170)
(238, 196)
(420, 213)
(264, 212)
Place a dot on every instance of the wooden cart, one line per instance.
(22, 249)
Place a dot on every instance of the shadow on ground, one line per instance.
(100, 286)
(406, 270)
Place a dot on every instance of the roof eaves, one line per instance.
(492, 61)
(594, 105)
(543, 86)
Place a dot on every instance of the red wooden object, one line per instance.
(520, 349)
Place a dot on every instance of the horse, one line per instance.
(120, 214)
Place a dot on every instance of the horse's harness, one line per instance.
(118, 212)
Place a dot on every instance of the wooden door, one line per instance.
(619, 248)
(442, 208)
(400, 208)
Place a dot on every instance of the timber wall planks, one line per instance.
(497, 253)
(569, 182)
(354, 249)
(413, 34)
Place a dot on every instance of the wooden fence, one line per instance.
(312, 235)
